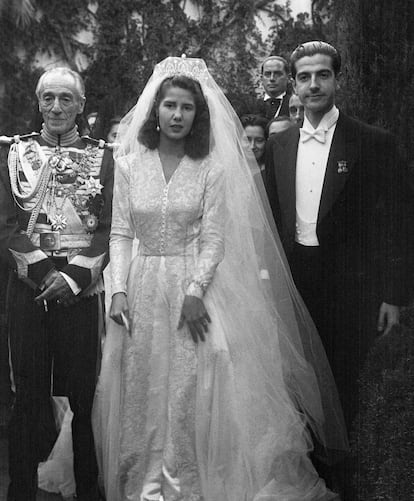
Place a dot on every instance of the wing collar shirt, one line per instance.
(279, 97)
(313, 152)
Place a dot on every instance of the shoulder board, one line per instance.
(8, 140)
(100, 143)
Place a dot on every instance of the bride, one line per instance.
(214, 384)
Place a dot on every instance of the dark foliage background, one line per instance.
(377, 42)
(129, 38)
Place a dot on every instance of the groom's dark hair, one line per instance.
(312, 48)
(197, 143)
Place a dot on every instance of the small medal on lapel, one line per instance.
(342, 166)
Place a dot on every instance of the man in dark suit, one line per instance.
(275, 80)
(337, 191)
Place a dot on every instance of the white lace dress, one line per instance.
(181, 421)
(179, 227)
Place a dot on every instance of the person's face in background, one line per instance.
(296, 109)
(257, 140)
(176, 113)
(276, 127)
(274, 77)
(60, 103)
(113, 133)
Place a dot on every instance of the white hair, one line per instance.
(62, 70)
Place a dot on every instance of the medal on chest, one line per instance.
(72, 180)
(54, 179)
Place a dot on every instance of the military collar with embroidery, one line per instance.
(63, 140)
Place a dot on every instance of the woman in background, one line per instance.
(113, 130)
(255, 128)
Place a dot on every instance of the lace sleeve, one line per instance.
(122, 229)
(211, 233)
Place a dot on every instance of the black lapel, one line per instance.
(341, 161)
(284, 108)
(286, 176)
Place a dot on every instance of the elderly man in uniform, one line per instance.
(55, 212)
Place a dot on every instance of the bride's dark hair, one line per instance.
(197, 143)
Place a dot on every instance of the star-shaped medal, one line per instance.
(59, 222)
(93, 186)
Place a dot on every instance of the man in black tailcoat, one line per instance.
(55, 212)
(338, 194)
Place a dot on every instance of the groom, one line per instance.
(336, 188)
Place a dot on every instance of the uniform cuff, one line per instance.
(72, 284)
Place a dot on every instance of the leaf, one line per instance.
(24, 12)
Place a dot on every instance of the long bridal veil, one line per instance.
(270, 394)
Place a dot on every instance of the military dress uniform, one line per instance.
(55, 213)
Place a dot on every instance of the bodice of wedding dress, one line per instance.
(183, 217)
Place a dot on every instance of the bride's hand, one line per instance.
(119, 309)
(195, 314)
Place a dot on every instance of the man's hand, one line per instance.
(389, 316)
(195, 314)
(56, 288)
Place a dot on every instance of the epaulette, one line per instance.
(8, 140)
(100, 143)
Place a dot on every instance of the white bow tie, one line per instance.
(318, 134)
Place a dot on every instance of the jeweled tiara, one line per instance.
(189, 66)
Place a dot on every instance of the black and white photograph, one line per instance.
(206, 250)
